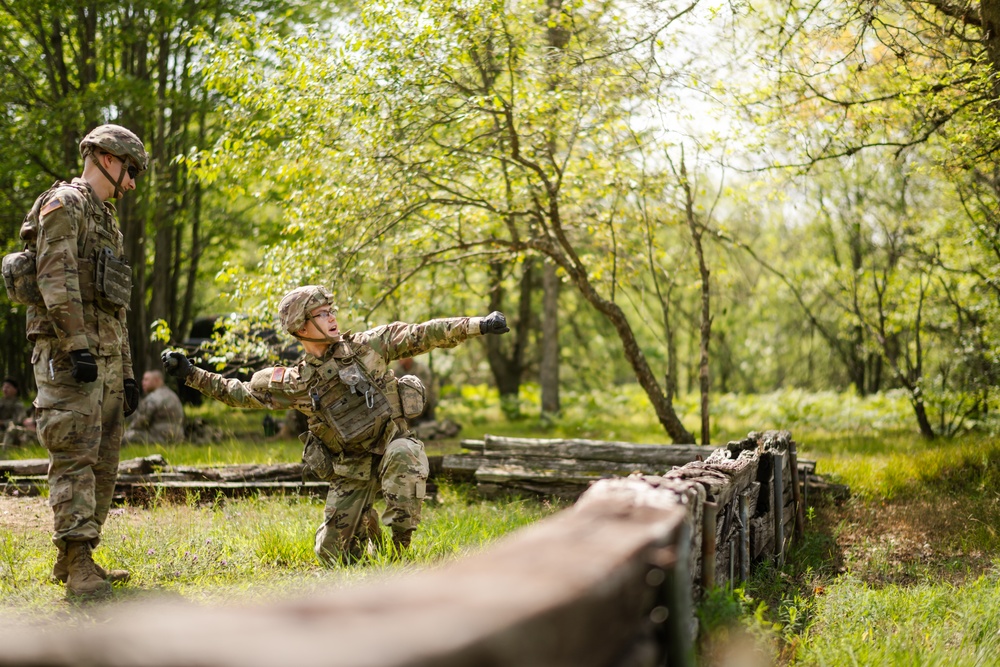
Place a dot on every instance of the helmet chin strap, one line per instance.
(327, 338)
(121, 177)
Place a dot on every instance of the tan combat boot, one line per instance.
(60, 571)
(82, 577)
(401, 540)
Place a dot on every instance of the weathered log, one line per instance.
(600, 450)
(248, 472)
(22, 486)
(24, 467)
(143, 493)
(823, 488)
(577, 589)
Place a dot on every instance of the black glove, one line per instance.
(84, 365)
(176, 364)
(494, 323)
(131, 396)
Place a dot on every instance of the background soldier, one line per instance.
(160, 416)
(356, 408)
(17, 427)
(12, 410)
(81, 359)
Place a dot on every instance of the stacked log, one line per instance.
(144, 478)
(609, 582)
(565, 468)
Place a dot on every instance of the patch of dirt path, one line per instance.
(21, 514)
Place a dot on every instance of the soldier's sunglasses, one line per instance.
(133, 171)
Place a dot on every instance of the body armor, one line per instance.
(104, 275)
(355, 401)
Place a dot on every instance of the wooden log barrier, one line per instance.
(603, 583)
(608, 582)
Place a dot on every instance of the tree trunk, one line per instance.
(549, 368)
(989, 12)
(637, 360)
(509, 368)
(705, 329)
(920, 410)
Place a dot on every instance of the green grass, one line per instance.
(237, 551)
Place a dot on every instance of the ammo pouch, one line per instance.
(113, 281)
(412, 396)
(316, 456)
(21, 279)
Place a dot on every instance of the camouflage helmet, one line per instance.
(298, 303)
(118, 141)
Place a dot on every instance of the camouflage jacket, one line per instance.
(160, 411)
(11, 410)
(280, 387)
(67, 227)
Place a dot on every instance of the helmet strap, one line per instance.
(121, 177)
(327, 338)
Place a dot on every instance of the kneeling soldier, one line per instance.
(356, 408)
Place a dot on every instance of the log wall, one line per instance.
(609, 582)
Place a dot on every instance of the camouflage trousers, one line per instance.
(18, 436)
(81, 427)
(400, 474)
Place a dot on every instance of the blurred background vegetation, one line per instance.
(704, 203)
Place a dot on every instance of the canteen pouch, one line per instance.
(113, 281)
(21, 279)
(316, 456)
(412, 396)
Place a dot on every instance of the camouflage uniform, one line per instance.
(11, 410)
(79, 423)
(159, 418)
(84, 286)
(389, 459)
(12, 414)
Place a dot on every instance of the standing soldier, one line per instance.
(81, 359)
(358, 439)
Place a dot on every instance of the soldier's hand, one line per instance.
(494, 323)
(176, 364)
(84, 366)
(131, 396)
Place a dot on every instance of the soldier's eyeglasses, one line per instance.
(133, 171)
(324, 315)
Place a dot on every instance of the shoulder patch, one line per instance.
(54, 204)
(278, 375)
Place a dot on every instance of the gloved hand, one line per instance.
(494, 323)
(131, 396)
(176, 364)
(84, 365)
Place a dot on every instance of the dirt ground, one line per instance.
(25, 514)
(902, 541)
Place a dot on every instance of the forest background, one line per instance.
(693, 196)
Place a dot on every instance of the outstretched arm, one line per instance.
(227, 390)
(399, 339)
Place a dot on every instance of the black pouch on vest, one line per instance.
(114, 279)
